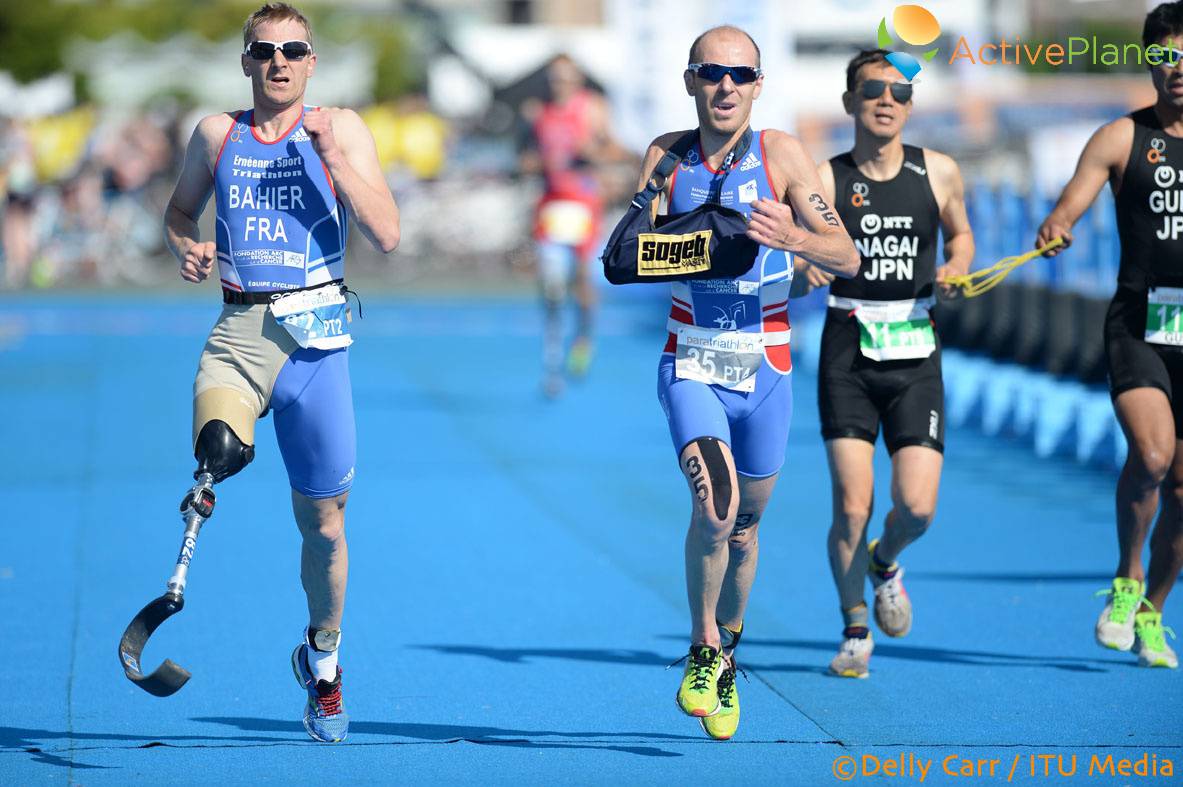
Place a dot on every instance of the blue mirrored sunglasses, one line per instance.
(713, 72)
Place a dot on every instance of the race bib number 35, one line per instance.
(1164, 316)
(726, 358)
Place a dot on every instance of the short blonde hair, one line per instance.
(274, 12)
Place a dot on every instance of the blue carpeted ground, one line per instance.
(516, 585)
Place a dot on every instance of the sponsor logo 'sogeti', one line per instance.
(663, 254)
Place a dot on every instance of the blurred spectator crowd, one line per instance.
(82, 195)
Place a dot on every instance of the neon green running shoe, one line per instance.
(699, 693)
(579, 358)
(1152, 647)
(1115, 627)
(722, 725)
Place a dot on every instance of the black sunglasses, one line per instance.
(265, 50)
(713, 72)
(900, 91)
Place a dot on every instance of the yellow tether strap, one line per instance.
(978, 282)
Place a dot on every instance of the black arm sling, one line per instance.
(709, 242)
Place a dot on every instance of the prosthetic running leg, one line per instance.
(220, 454)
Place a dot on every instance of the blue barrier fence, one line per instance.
(1005, 222)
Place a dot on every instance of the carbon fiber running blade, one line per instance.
(169, 677)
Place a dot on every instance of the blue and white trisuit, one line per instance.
(724, 372)
(281, 342)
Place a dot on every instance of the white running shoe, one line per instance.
(854, 657)
(893, 608)
(1115, 626)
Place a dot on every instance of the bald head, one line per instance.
(725, 43)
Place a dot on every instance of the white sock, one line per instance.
(323, 663)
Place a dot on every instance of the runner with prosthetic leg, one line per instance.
(880, 355)
(1140, 155)
(285, 177)
(723, 377)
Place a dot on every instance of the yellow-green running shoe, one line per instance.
(579, 357)
(1115, 627)
(699, 693)
(1152, 647)
(722, 725)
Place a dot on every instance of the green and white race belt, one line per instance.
(729, 359)
(891, 330)
(1164, 316)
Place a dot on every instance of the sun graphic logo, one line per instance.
(914, 25)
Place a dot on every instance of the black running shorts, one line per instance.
(1135, 363)
(856, 394)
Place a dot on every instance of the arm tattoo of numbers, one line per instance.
(821, 207)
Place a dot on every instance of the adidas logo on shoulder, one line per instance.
(751, 162)
(300, 136)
